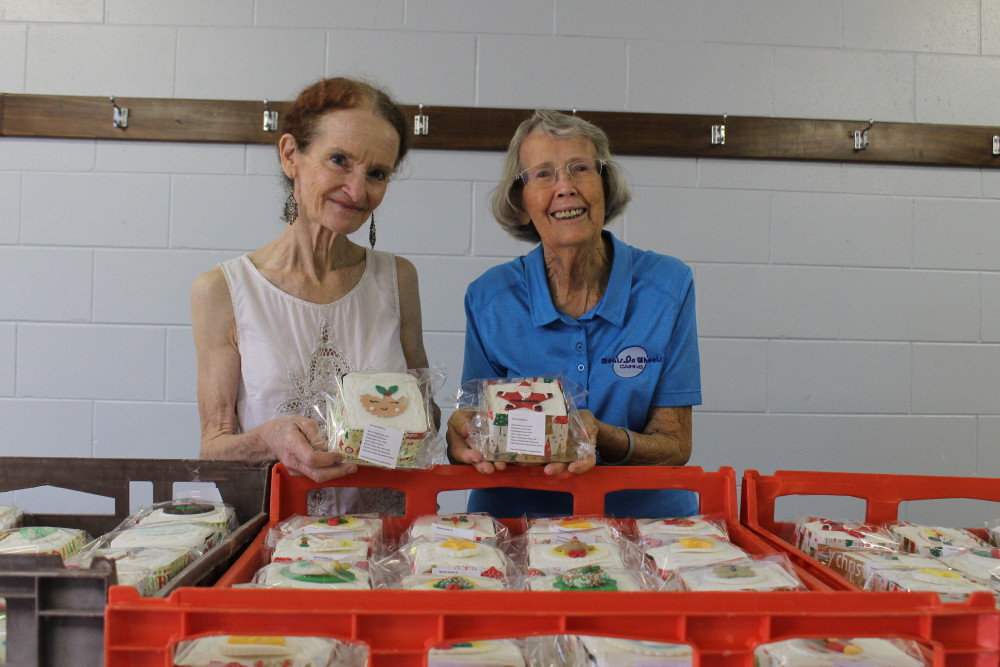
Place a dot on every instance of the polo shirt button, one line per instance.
(579, 346)
(580, 368)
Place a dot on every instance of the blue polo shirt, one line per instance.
(637, 349)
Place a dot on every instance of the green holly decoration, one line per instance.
(387, 392)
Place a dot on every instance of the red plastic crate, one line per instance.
(882, 495)
(401, 626)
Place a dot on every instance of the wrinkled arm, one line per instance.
(664, 441)
(288, 439)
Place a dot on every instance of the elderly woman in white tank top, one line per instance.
(274, 327)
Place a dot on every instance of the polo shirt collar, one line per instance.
(613, 304)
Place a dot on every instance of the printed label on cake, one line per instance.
(381, 445)
(471, 571)
(444, 531)
(526, 432)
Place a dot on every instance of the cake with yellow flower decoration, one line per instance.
(693, 551)
(457, 556)
(588, 529)
(450, 582)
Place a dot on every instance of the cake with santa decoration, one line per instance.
(508, 402)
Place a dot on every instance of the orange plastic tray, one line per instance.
(401, 626)
(882, 495)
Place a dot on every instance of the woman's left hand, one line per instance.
(591, 425)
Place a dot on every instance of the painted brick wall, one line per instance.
(849, 315)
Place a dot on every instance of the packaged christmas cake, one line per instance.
(147, 569)
(478, 527)
(768, 573)
(10, 516)
(933, 540)
(811, 533)
(484, 653)
(950, 585)
(653, 532)
(869, 652)
(314, 574)
(693, 551)
(308, 546)
(268, 651)
(194, 535)
(42, 540)
(591, 578)
(858, 565)
(557, 557)
(220, 515)
(384, 419)
(614, 652)
(450, 582)
(525, 420)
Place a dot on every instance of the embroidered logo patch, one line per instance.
(631, 361)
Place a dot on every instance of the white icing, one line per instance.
(297, 574)
(495, 652)
(546, 558)
(765, 577)
(674, 555)
(42, 540)
(439, 527)
(365, 403)
(435, 555)
(219, 515)
(198, 536)
(320, 547)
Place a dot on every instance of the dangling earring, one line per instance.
(371, 231)
(291, 211)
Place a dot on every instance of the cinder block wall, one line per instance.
(849, 315)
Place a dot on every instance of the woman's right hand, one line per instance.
(290, 440)
(459, 450)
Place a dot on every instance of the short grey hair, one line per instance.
(505, 200)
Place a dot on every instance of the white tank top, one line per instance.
(291, 350)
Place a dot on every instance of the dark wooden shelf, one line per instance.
(490, 129)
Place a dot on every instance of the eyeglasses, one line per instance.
(581, 170)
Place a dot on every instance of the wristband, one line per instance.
(628, 453)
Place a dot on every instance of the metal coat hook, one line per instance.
(719, 132)
(574, 111)
(270, 118)
(861, 137)
(421, 123)
(119, 117)
(996, 144)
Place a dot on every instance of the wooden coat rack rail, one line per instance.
(490, 129)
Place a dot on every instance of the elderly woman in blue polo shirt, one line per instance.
(618, 321)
